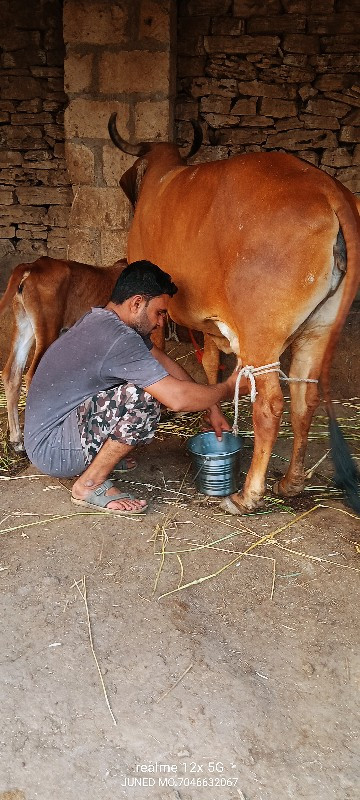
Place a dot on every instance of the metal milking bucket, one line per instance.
(215, 463)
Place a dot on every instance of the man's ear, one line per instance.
(136, 302)
(130, 181)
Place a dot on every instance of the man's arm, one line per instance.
(183, 395)
(172, 367)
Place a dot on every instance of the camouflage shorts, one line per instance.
(125, 413)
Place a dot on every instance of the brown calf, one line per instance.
(47, 296)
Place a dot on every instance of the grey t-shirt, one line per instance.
(97, 353)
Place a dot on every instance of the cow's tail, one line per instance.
(347, 475)
(14, 284)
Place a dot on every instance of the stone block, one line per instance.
(349, 133)
(10, 158)
(99, 208)
(221, 120)
(241, 44)
(84, 245)
(334, 23)
(326, 108)
(6, 248)
(301, 43)
(261, 89)
(155, 21)
(288, 74)
(4, 117)
(250, 8)
(350, 177)
(103, 23)
(227, 26)
(356, 155)
(31, 247)
(17, 214)
(323, 6)
(222, 67)
(152, 120)
(244, 106)
(58, 217)
(257, 121)
(115, 163)
(216, 105)
(347, 96)
(29, 233)
(301, 139)
(31, 119)
(80, 163)
(339, 157)
(220, 87)
(353, 118)
(113, 246)
(134, 71)
(275, 107)
(33, 106)
(306, 91)
(21, 88)
(88, 119)
(314, 121)
(239, 136)
(282, 23)
(7, 232)
(43, 196)
(6, 197)
(310, 156)
(336, 63)
(11, 176)
(340, 44)
(78, 72)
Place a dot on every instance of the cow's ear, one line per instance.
(131, 180)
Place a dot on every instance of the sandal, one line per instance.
(99, 500)
(122, 466)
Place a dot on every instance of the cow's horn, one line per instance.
(132, 149)
(198, 137)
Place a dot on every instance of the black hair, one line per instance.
(145, 278)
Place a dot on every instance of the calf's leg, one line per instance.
(23, 338)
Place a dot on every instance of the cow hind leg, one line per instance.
(22, 342)
(308, 352)
(267, 412)
(304, 401)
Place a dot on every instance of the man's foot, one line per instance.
(99, 498)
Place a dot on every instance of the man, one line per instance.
(97, 391)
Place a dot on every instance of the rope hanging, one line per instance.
(251, 373)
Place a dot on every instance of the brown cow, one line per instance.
(47, 295)
(265, 250)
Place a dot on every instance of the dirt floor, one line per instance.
(117, 682)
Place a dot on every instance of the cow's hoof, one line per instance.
(289, 490)
(229, 505)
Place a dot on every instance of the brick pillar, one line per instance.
(118, 58)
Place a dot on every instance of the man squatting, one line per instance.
(97, 391)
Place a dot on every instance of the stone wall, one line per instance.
(118, 58)
(272, 74)
(35, 195)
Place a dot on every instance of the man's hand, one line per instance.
(214, 418)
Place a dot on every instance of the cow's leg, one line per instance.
(211, 359)
(308, 352)
(22, 341)
(267, 411)
(46, 333)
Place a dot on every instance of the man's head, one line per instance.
(143, 291)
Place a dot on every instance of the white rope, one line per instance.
(172, 334)
(251, 373)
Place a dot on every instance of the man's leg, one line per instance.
(111, 425)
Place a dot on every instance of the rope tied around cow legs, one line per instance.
(251, 373)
